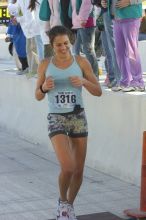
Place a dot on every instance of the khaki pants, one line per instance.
(31, 51)
(48, 51)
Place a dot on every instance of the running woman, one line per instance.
(62, 78)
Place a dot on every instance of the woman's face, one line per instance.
(61, 45)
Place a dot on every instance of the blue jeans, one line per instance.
(142, 36)
(86, 39)
(108, 25)
(40, 47)
(108, 64)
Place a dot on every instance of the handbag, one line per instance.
(45, 12)
(99, 23)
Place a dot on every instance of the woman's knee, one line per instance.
(67, 169)
(78, 172)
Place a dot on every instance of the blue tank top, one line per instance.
(64, 97)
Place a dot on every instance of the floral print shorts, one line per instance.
(71, 124)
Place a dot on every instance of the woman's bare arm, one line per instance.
(89, 80)
(41, 79)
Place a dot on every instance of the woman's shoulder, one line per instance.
(43, 65)
(81, 60)
(45, 61)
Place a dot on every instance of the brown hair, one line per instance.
(32, 5)
(60, 30)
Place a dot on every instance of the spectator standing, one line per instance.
(66, 20)
(54, 19)
(127, 14)
(109, 48)
(19, 41)
(84, 21)
(11, 48)
(34, 7)
(58, 16)
(30, 30)
(113, 75)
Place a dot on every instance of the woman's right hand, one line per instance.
(48, 84)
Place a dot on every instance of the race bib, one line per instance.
(66, 99)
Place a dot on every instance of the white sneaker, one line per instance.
(26, 71)
(22, 72)
(140, 89)
(62, 211)
(129, 89)
(30, 75)
(117, 88)
(71, 212)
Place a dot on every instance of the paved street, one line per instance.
(28, 184)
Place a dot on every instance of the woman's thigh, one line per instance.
(79, 149)
(63, 151)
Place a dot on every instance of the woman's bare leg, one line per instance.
(79, 148)
(63, 151)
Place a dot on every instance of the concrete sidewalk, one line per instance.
(28, 184)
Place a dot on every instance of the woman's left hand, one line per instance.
(76, 81)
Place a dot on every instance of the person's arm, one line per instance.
(89, 80)
(125, 3)
(44, 85)
(85, 10)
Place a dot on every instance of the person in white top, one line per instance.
(43, 27)
(30, 28)
(54, 20)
